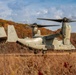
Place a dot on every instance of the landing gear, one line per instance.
(35, 51)
(43, 52)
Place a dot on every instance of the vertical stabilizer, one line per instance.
(12, 35)
(2, 33)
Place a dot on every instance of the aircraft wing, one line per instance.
(51, 36)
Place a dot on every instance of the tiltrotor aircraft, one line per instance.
(39, 42)
(50, 41)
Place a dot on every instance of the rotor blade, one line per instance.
(39, 25)
(72, 20)
(57, 20)
(46, 25)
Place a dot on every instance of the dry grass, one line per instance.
(38, 65)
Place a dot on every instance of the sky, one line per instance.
(27, 11)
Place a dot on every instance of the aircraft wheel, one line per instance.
(43, 52)
(35, 51)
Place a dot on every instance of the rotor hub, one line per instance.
(65, 19)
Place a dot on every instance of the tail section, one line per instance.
(12, 35)
(2, 33)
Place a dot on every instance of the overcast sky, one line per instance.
(27, 11)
